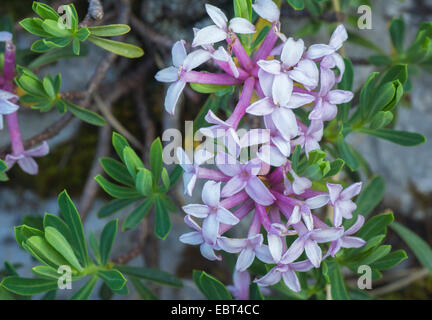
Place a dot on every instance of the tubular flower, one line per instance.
(254, 179)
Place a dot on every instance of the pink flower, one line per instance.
(211, 211)
(182, 62)
(327, 99)
(222, 28)
(341, 200)
(196, 238)
(25, 159)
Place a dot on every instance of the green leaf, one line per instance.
(122, 49)
(243, 9)
(86, 290)
(346, 154)
(119, 143)
(211, 287)
(117, 170)
(83, 34)
(144, 183)
(113, 278)
(71, 17)
(34, 26)
(84, 114)
(397, 34)
(110, 30)
(370, 196)
(396, 72)
(165, 178)
(255, 292)
(107, 239)
(132, 161)
(403, 138)
(52, 27)
(374, 255)
(296, 4)
(93, 242)
(389, 261)
(138, 214)
(384, 97)
(153, 275)
(44, 252)
(143, 291)
(49, 89)
(381, 119)
(73, 220)
(379, 60)
(207, 88)
(421, 249)
(332, 272)
(23, 233)
(45, 11)
(76, 47)
(58, 241)
(377, 225)
(28, 286)
(116, 191)
(156, 160)
(335, 167)
(163, 222)
(51, 220)
(114, 206)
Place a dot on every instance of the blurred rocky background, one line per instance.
(136, 100)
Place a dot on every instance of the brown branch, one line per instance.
(148, 33)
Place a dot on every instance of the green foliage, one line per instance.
(146, 188)
(210, 287)
(44, 94)
(64, 31)
(61, 243)
(3, 168)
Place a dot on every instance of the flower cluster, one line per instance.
(284, 223)
(9, 108)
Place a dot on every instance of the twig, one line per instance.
(402, 283)
(148, 33)
(106, 112)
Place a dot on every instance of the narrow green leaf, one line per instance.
(144, 183)
(156, 160)
(58, 241)
(120, 48)
(337, 284)
(346, 154)
(163, 222)
(403, 138)
(107, 239)
(84, 114)
(119, 143)
(116, 191)
(212, 288)
(110, 30)
(397, 34)
(117, 170)
(86, 290)
(28, 286)
(113, 278)
(73, 220)
(114, 206)
(153, 275)
(421, 249)
(138, 214)
(389, 261)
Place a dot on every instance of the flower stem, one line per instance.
(210, 78)
(267, 45)
(243, 103)
(12, 119)
(243, 58)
